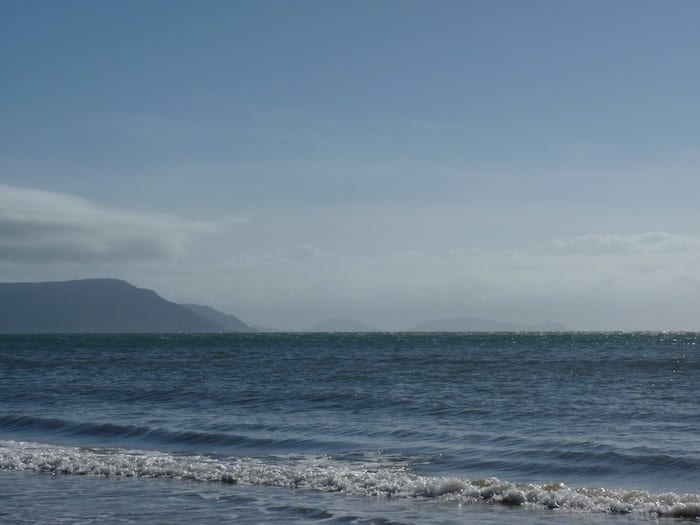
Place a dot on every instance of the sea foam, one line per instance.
(326, 474)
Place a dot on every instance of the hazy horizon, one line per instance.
(391, 162)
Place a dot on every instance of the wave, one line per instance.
(323, 473)
(111, 430)
(154, 436)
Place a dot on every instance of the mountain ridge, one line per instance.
(103, 305)
(227, 322)
(111, 305)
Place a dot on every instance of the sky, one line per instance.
(386, 161)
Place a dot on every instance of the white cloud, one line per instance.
(617, 244)
(45, 227)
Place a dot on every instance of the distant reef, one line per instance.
(103, 306)
(475, 324)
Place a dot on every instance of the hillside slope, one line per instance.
(92, 306)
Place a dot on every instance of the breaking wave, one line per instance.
(323, 473)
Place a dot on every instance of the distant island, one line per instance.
(458, 324)
(475, 324)
(103, 306)
(342, 325)
(116, 306)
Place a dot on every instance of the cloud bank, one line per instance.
(45, 227)
(617, 244)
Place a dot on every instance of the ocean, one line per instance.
(380, 428)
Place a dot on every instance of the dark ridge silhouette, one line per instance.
(225, 322)
(93, 306)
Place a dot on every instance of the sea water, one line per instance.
(350, 428)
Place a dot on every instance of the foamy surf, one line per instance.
(375, 479)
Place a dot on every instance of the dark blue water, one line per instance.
(364, 428)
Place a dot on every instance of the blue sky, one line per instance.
(386, 161)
